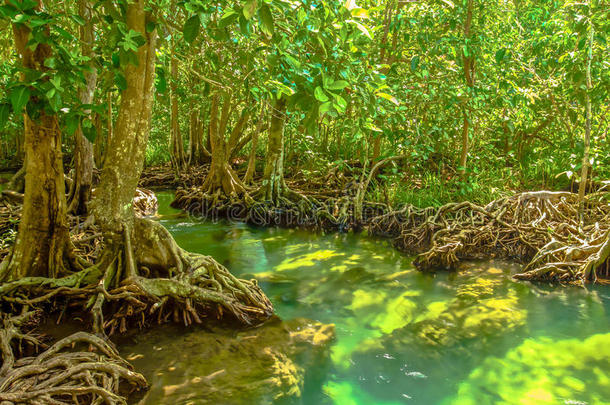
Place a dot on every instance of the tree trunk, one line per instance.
(249, 176)
(177, 147)
(222, 177)
(124, 159)
(192, 135)
(273, 184)
(469, 76)
(200, 155)
(42, 240)
(80, 192)
(582, 188)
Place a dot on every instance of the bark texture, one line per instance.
(222, 177)
(273, 184)
(80, 192)
(43, 236)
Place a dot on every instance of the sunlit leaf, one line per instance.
(320, 95)
(250, 8)
(362, 28)
(338, 85)
(388, 97)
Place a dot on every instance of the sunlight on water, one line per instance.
(402, 337)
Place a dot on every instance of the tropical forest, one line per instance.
(304, 202)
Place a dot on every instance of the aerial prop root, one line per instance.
(540, 229)
(286, 208)
(146, 277)
(162, 280)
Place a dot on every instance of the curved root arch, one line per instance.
(62, 375)
(146, 278)
(541, 229)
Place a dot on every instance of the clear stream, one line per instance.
(402, 337)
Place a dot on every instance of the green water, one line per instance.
(403, 337)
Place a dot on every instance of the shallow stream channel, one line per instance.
(360, 325)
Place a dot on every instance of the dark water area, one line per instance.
(402, 337)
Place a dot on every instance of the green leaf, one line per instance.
(72, 122)
(244, 26)
(4, 111)
(282, 88)
(191, 28)
(19, 98)
(324, 108)
(338, 85)
(340, 104)
(78, 19)
(88, 130)
(150, 26)
(267, 19)
(362, 28)
(387, 97)
(319, 94)
(116, 60)
(227, 19)
(414, 63)
(120, 81)
(465, 50)
(161, 81)
(250, 8)
(500, 55)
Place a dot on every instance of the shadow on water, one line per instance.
(402, 337)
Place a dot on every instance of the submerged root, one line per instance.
(541, 229)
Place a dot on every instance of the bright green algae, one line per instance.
(407, 337)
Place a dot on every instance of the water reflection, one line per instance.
(405, 337)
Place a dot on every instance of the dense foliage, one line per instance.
(482, 97)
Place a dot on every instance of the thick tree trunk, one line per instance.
(124, 158)
(80, 192)
(42, 240)
(273, 184)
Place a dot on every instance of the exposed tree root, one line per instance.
(540, 229)
(289, 209)
(141, 277)
(145, 202)
(165, 176)
(61, 375)
(335, 203)
(147, 278)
